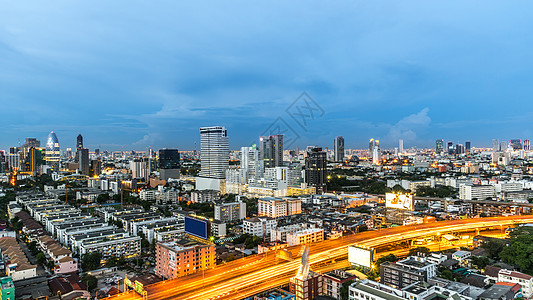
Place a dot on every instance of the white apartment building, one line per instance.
(280, 233)
(524, 280)
(476, 192)
(123, 247)
(229, 212)
(259, 226)
(279, 207)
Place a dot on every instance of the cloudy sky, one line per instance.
(132, 74)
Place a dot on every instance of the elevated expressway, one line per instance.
(253, 274)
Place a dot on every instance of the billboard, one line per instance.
(360, 256)
(399, 201)
(197, 227)
(172, 259)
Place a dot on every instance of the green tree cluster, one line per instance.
(439, 191)
(90, 281)
(520, 249)
(91, 261)
(493, 248)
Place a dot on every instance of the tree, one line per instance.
(480, 261)
(493, 247)
(41, 258)
(91, 261)
(387, 258)
(398, 189)
(90, 281)
(520, 249)
(33, 248)
(111, 262)
(344, 289)
(423, 251)
(447, 274)
(103, 198)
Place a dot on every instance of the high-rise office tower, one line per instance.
(32, 142)
(169, 164)
(79, 142)
(376, 156)
(516, 144)
(96, 167)
(339, 148)
(53, 152)
(251, 162)
(527, 144)
(214, 152)
(372, 145)
(271, 150)
(13, 161)
(400, 146)
(83, 161)
(316, 168)
(3, 163)
(439, 146)
(450, 148)
(30, 161)
(495, 145)
(459, 149)
(504, 146)
(138, 168)
(467, 147)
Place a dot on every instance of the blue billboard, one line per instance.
(197, 227)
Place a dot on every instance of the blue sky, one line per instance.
(133, 74)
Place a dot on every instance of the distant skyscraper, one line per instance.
(516, 144)
(372, 145)
(30, 142)
(400, 146)
(271, 150)
(459, 149)
(376, 156)
(31, 161)
(214, 152)
(439, 146)
(316, 168)
(450, 148)
(504, 146)
(339, 148)
(83, 161)
(138, 168)
(527, 144)
(53, 152)
(169, 164)
(79, 142)
(495, 145)
(3, 162)
(467, 147)
(251, 162)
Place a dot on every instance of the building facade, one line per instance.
(180, 258)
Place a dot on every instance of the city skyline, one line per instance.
(144, 79)
(64, 145)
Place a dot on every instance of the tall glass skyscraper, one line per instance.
(439, 146)
(214, 152)
(271, 150)
(339, 148)
(53, 152)
(79, 142)
(169, 164)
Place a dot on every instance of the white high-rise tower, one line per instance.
(214, 153)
